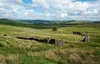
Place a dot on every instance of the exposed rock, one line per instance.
(78, 33)
(85, 39)
(5, 35)
(45, 40)
(52, 41)
(59, 42)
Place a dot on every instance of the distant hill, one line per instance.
(24, 22)
(38, 24)
(10, 22)
(14, 23)
(38, 21)
(44, 24)
(53, 22)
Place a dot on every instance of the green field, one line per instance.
(17, 51)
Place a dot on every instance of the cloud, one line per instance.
(68, 8)
(41, 3)
(50, 9)
(18, 1)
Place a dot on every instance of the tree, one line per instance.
(54, 29)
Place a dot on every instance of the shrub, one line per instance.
(54, 28)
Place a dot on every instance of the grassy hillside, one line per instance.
(17, 51)
(41, 24)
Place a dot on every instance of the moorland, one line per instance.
(74, 51)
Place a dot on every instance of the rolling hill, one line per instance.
(19, 51)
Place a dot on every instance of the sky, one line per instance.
(50, 9)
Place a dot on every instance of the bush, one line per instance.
(54, 28)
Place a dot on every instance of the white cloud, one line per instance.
(18, 1)
(50, 9)
(41, 3)
(2, 9)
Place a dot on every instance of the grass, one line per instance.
(17, 51)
